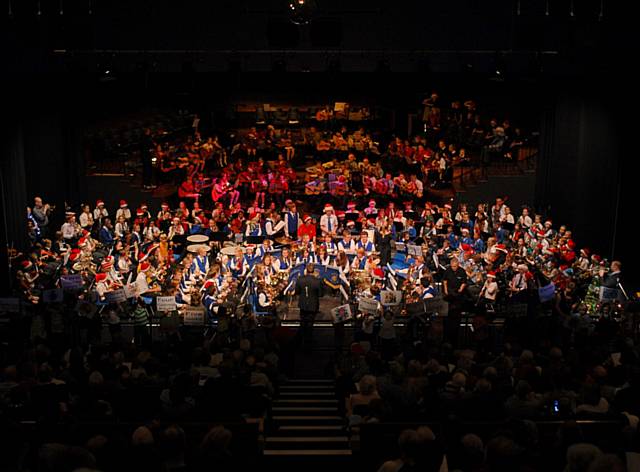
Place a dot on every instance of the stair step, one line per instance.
(310, 428)
(306, 401)
(307, 387)
(307, 439)
(331, 419)
(307, 394)
(309, 381)
(304, 408)
(307, 452)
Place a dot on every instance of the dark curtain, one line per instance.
(579, 169)
(13, 198)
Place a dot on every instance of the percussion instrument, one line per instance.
(229, 250)
(284, 241)
(198, 238)
(196, 247)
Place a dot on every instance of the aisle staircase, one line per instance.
(309, 429)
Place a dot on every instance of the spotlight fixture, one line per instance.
(572, 12)
(301, 12)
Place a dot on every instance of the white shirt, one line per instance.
(328, 224)
(141, 283)
(100, 213)
(68, 231)
(123, 212)
(85, 219)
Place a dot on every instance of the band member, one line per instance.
(331, 247)
(264, 248)
(86, 218)
(359, 262)
(306, 257)
(292, 221)
(284, 262)
(123, 211)
(365, 244)
(489, 291)
(329, 222)
(253, 227)
(273, 225)
(238, 265)
(347, 244)
(200, 264)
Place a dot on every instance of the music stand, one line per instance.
(410, 215)
(255, 239)
(351, 216)
(219, 236)
(399, 226)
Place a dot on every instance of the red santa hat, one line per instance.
(144, 206)
(207, 284)
(340, 214)
(99, 203)
(491, 274)
(351, 205)
(123, 204)
(27, 265)
(69, 214)
(328, 207)
(378, 273)
(351, 224)
(139, 212)
(107, 263)
(75, 254)
(465, 230)
(447, 206)
(164, 206)
(101, 277)
(501, 247)
(144, 266)
(82, 242)
(372, 203)
(307, 218)
(585, 252)
(466, 247)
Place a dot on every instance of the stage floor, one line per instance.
(289, 310)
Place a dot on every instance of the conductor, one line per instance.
(309, 291)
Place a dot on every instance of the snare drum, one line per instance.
(194, 248)
(198, 238)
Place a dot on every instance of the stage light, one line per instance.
(301, 12)
(39, 12)
(571, 11)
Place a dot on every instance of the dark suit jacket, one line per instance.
(309, 291)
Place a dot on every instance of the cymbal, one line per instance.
(284, 241)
